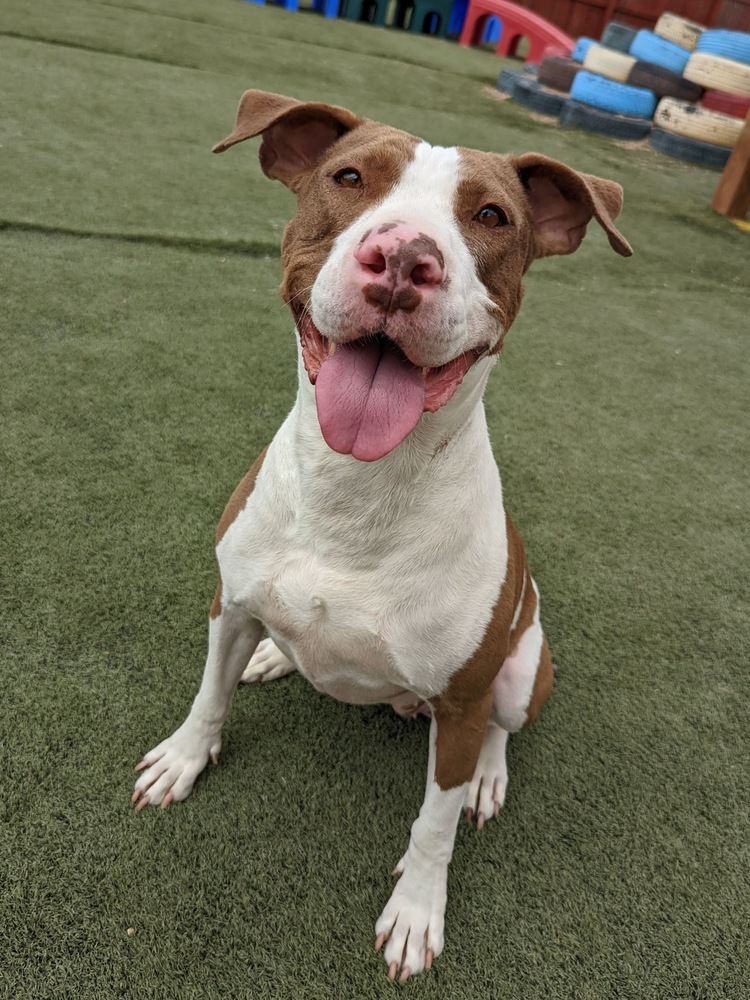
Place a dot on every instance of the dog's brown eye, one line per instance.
(491, 216)
(348, 178)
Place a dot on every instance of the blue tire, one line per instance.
(617, 98)
(582, 46)
(730, 44)
(648, 47)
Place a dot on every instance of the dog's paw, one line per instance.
(170, 769)
(409, 706)
(486, 793)
(411, 925)
(267, 663)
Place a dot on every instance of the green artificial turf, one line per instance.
(144, 361)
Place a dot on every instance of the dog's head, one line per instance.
(404, 263)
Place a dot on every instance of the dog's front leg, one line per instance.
(170, 769)
(411, 925)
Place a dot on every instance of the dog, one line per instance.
(370, 539)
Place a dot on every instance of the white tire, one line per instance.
(694, 122)
(608, 62)
(679, 30)
(718, 73)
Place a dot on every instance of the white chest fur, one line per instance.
(370, 580)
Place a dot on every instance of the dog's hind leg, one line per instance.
(267, 663)
(519, 691)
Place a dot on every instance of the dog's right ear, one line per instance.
(295, 135)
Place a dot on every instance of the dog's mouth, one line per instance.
(369, 395)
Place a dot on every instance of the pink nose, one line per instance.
(398, 266)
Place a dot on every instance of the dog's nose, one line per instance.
(397, 266)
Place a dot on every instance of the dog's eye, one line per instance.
(491, 216)
(348, 178)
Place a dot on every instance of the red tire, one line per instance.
(728, 104)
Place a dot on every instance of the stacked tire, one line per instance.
(600, 98)
(703, 128)
(526, 88)
(684, 86)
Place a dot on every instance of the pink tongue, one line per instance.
(369, 398)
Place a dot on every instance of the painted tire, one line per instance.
(663, 82)
(694, 122)
(679, 30)
(617, 98)
(729, 44)
(581, 48)
(558, 73)
(648, 47)
(508, 79)
(618, 36)
(727, 104)
(692, 150)
(717, 73)
(575, 115)
(607, 62)
(533, 96)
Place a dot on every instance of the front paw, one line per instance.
(170, 769)
(411, 925)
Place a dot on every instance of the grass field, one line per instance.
(145, 359)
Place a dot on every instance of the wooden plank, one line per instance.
(732, 196)
(589, 17)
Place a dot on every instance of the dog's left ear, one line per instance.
(295, 134)
(563, 202)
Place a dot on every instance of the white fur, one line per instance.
(459, 317)
(515, 682)
(361, 613)
(413, 918)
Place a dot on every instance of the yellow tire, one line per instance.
(694, 122)
(718, 73)
(608, 62)
(679, 30)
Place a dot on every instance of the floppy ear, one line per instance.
(295, 135)
(563, 202)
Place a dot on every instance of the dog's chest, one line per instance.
(325, 619)
(369, 591)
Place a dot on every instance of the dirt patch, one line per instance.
(544, 119)
(632, 143)
(499, 95)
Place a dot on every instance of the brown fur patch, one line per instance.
(216, 603)
(462, 711)
(234, 505)
(526, 617)
(500, 254)
(545, 676)
(325, 209)
(239, 497)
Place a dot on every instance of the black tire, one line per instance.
(664, 82)
(508, 79)
(558, 73)
(537, 98)
(692, 150)
(618, 36)
(575, 115)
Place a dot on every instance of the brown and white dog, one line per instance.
(369, 539)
